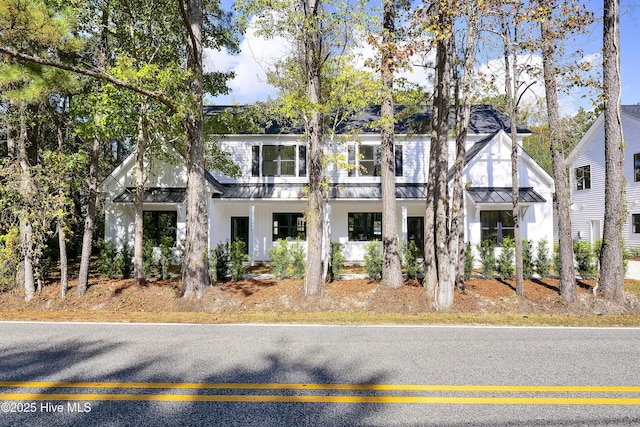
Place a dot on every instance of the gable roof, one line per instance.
(632, 111)
(484, 119)
(503, 136)
(128, 163)
(473, 151)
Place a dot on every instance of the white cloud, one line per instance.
(256, 55)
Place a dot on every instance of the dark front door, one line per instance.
(415, 232)
(240, 230)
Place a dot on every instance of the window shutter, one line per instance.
(351, 158)
(302, 160)
(398, 158)
(255, 161)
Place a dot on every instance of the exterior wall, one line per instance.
(492, 168)
(169, 172)
(587, 210)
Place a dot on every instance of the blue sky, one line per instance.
(630, 52)
(257, 54)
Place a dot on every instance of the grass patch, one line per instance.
(335, 318)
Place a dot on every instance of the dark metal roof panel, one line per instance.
(154, 195)
(336, 192)
(503, 195)
(484, 119)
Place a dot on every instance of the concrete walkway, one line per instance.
(633, 270)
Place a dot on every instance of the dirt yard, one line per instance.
(287, 296)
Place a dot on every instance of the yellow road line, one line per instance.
(343, 387)
(324, 399)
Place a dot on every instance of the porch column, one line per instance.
(253, 250)
(405, 233)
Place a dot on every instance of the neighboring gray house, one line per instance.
(267, 202)
(587, 173)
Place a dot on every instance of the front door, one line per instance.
(240, 230)
(415, 232)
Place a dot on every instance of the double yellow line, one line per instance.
(539, 399)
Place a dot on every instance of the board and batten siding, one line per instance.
(587, 206)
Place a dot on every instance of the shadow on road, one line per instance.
(51, 361)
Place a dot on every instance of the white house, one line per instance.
(587, 173)
(268, 201)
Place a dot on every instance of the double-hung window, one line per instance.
(279, 160)
(583, 178)
(366, 160)
(496, 225)
(636, 167)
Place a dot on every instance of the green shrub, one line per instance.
(126, 260)
(280, 258)
(543, 263)
(337, 260)
(506, 258)
(148, 257)
(585, 259)
(468, 261)
(487, 257)
(373, 260)
(238, 257)
(166, 256)
(219, 259)
(109, 263)
(410, 259)
(298, 259)
(9, 258)
(527, 259)
(634, 252)
(556, 258)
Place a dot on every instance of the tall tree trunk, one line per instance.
(27, 189)
(443, 271)
(89, 221)
(563, 194)
(611, 278)
(463, 113)
(313, 284)
(138, 270)
(510, 85)
(195, 268)
(62, 134)
(64, 264)
(391, 268)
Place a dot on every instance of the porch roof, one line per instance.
(154, 195)
(503, 195)
(336, 191)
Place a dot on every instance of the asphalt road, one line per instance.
(138, 375)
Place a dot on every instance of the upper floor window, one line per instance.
(496, 225)
(365, 226)
(636, 167)
(583, 178)
(279, 160)
(367, 159)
